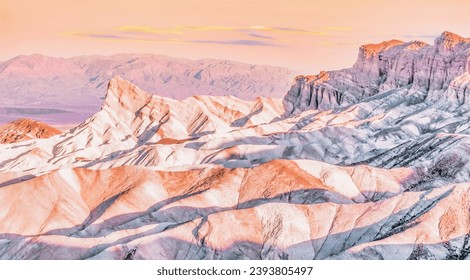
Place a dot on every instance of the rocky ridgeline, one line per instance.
(434, 72)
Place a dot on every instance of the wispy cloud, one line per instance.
(255, 35)
(123, 37)
(182, 29)
(172, 30)
(148, 30)
(287, 30)
(98, 36)
(241, 42)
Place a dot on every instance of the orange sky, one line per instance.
(307, 36)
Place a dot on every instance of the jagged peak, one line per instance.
(448, 40)
(446, 35)
(415, 45)
(122, 93)
(373, 49)
(319, 78)
(323, 75)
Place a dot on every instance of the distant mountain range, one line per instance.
(370, 162)
(68, 90)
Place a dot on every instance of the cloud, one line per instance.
(175, 29)
(287, 30)
(256, 35)
(99, 36)
(149, 30)
(105, 36)
(182, 29)
(211, 28)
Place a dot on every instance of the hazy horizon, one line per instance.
(305, 36)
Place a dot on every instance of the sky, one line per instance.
(306, 36)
